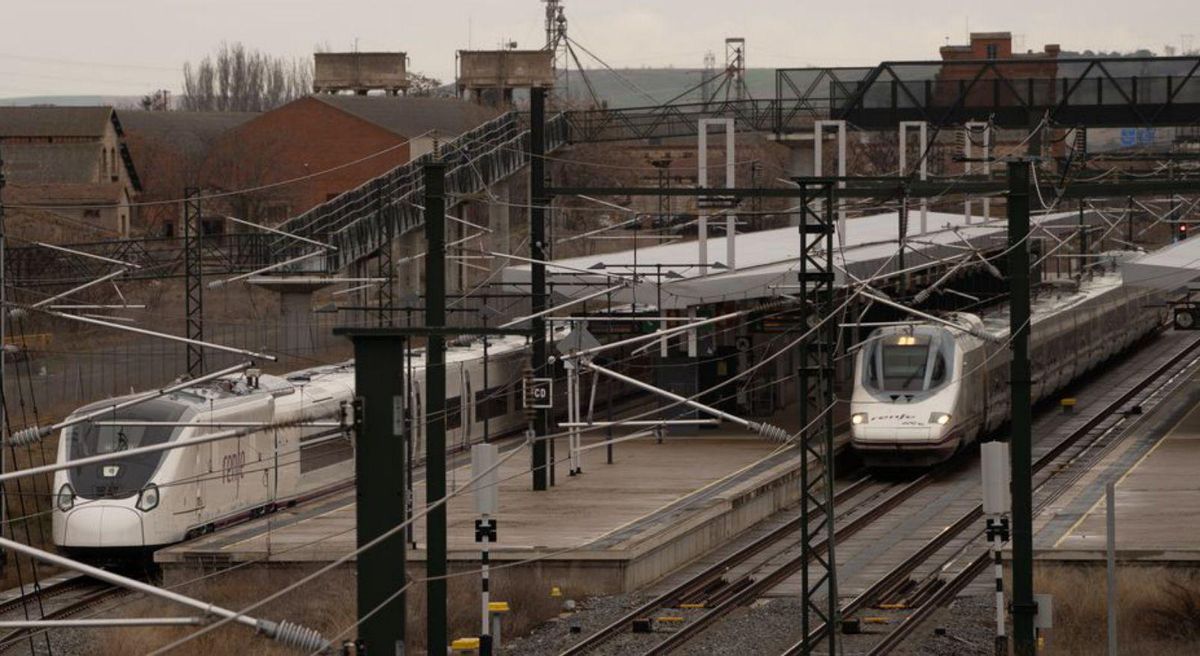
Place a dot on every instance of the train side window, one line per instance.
(491, 403)
(318, 450)
(454, 413)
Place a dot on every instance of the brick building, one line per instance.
(987, 73)
(73, 163)
(996, 47)
(328, 145)
(170, 149)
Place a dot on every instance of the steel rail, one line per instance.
(92, 599)
(968, 574)
(759, 586)
(700, 580)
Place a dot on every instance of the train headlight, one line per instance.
(858, 418)
(939, 418)
(148, 498)
(65, 499)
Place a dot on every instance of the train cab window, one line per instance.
(907, 363)
(126, 476)
(904, 366)
(939, 370)
(454, 413)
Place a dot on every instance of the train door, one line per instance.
(468, 406)
(263, 478)
(202, 470)
(418, 432)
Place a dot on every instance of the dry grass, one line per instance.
(327, 605)
(1158, 610)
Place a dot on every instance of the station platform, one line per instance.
(612, 528)
(1157, 493)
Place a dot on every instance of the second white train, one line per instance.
(922, 391)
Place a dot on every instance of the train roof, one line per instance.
(1052, 299)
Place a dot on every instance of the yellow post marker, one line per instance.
(555, 591)
(465, 646)
(1068, 405)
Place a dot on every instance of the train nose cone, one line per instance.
(104, 526)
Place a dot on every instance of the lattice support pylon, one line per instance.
(385, 293)
(193, 270)
(819, 600)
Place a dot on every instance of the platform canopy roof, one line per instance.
(767, 261)
(1167, 269)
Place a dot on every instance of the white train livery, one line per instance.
(130, 506)
(923, 391)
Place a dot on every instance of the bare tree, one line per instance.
(420, 84)
(235, 79)
(158, 101)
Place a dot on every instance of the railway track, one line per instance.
(746, 573)
(69, 597)
(1054, 471)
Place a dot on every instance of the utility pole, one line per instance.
(537, 246)
(435, 405)
(380, 486)
(3, 398)
(1024, 608)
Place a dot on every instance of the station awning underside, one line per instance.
(767, 261)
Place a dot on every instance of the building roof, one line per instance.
(412, 117)
(52, 163)
(55, 121)
(1167, 269)
(49, 195)
(190, 132)
(768, 259)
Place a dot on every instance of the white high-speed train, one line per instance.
(128, 506)
(923, 391)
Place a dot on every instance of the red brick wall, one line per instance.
(301, 138)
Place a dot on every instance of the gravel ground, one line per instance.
(965, 628)
(590, 616)
(969, 625)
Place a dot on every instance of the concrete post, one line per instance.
(295, 310)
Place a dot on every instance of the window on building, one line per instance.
(211, 227)
(275, 212)
(991, 51)
(91, 214)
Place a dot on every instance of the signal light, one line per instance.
(1183, 231)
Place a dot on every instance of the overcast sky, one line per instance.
(134, 46)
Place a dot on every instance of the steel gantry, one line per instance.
(193, 280)
(819, 598)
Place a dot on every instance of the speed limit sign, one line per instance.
(538, 393)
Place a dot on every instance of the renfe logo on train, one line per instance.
(233, 466)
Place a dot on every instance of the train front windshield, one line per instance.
(123, 477)
(904, 363)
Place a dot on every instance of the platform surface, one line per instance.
(1157, 492)
(600, 513)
